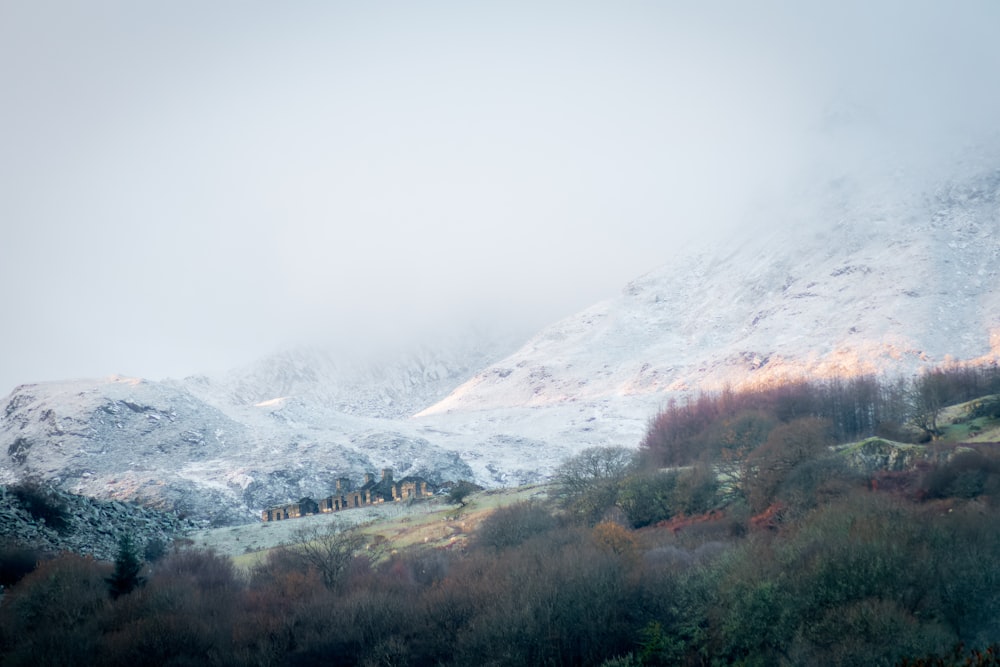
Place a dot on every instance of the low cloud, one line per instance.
(186, 188)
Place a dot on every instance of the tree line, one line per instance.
(899, 409)
(762, 548)
(866, 579)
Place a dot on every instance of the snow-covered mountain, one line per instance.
(877, 284)
(159, 444)
(873, 277)
(389, 384)
(220, 449)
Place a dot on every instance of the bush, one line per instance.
(512, 525)
(15, 562)
(51, 616)
(697, 490)
(207, 569)
(186, 614)
(155, 549)
(817, 482)
(957, 657)
(787, 446)
(988, 407)
(562, 600)
(968, 474)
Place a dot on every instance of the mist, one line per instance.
(185, 187)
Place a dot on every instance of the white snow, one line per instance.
(862, 281)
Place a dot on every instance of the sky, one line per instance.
(187, 186)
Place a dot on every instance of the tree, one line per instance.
(929, 397)
(787, 446)
(460, 492)
(647, 498)
(329, 551)
(589, 483)
(125, 577)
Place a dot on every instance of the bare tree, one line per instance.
(929, 397)
(330, 551)
(589, 483)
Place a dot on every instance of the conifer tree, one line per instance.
(126, 577)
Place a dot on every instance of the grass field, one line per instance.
(433, 523)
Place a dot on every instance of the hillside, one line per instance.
(872, 282)
(385, 383)
(430, 524)
(157, 443)
(889, 277)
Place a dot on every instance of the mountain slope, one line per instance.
(156, 443)
(889, 286)
(392, 383)
(881, 277)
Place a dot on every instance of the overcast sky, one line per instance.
(188, 185)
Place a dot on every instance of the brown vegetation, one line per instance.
(771, 553)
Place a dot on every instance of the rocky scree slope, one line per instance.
(87, 526)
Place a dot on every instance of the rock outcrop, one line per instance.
(69, 522)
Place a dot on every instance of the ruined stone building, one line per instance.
(304, 507)
(371, 492)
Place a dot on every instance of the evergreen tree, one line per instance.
(126, 577)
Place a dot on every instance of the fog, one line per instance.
(187, 186)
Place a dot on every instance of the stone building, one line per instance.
(344, 497)
(304, 507)
(411, 487)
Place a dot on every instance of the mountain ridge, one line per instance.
(867, 279)
(894, 288)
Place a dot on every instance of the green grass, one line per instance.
(426, 524)
(959, 426)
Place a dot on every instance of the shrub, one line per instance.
(185, 615)
(51, 616)
(512, 525)
(787, 446)
(697, 490)
(957, 657)
(208, 570)
(988, 407)
(16, 561)
(968, 474)
(155, 549)
(615, 538)
(562, 600)
(817, 482)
